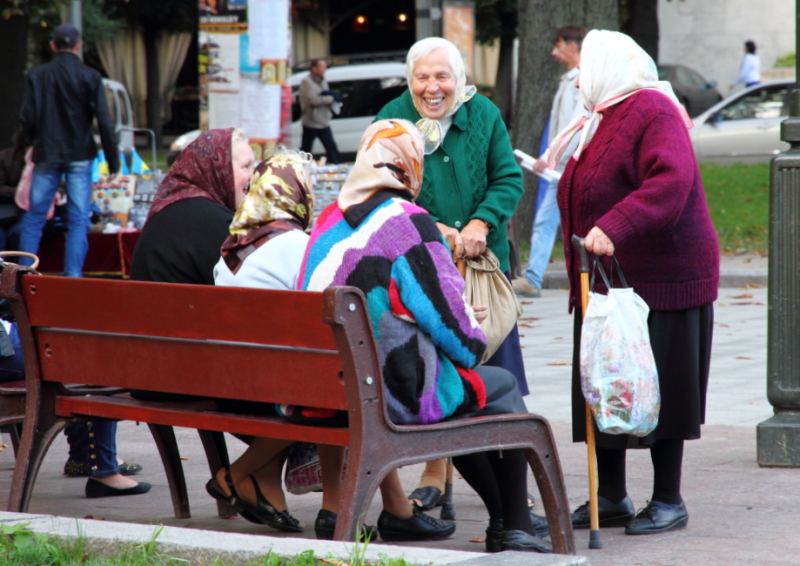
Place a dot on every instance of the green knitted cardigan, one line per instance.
(473, 173)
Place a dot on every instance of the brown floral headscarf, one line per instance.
(279, 200)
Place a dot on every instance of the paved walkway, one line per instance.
(740, 513)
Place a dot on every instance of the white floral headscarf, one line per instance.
(613, 67)
(432, 130)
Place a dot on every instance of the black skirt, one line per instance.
(681, 342)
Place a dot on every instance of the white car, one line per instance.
(364, 88)
(744, 127)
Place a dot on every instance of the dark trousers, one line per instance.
(326, 137)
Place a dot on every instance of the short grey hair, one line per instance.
(239, 135)
(425, 46)
(304, 159)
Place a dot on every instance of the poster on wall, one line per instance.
(458, 27)
(223, 15)
(261, 109)
(269, 31)
(222, 69)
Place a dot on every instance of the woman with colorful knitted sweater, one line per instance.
(376, 239)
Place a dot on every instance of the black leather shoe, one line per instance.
(521, 541)
(215, 490)
(325, 525)
(264, 512)
(653, 520)
(610, 515)
(429, 497)
(418, 526)
(540, 524)
(95, 489)
(495, 529)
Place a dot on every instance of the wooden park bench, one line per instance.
(300, 348)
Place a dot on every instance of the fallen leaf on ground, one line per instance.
(748, 260)
(560, 364)
(333, 561)
(184, 457)
(751, 285)
(525, 324)
(522, 336)
(526, 302)
(725, 325)
(95, 518)
(743, 358)
(722, 304)
(3, 446)
(529, 318)
(476, 538)
(558, 337)
(745, 296)
(754, 403)
(744, 303)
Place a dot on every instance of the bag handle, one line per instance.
(598, 266)
(10, 253)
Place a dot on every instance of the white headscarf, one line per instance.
(433, 131)
(612, 68)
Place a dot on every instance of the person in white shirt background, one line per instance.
(750, 69)
(567, 105)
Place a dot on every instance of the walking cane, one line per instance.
(594, 520)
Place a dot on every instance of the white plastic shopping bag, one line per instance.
(618, 372)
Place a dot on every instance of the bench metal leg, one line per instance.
(217, 456)
(362, 479)
(15, 432)
(33, 447)
(547, 471)
(171, 458)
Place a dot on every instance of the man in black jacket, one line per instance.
(62, 99)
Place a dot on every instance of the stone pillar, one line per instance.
(778, 438)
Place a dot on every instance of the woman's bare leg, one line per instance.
(264, 458)
(332, 460)
(395, 501)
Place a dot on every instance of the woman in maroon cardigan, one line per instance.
(632, 189)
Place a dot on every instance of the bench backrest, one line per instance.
(268, 346)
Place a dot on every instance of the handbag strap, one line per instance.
(598, 266)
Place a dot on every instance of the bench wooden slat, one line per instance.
(187, 415)
(285, 318)
(214, 369)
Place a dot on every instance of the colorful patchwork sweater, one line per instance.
(426, 335)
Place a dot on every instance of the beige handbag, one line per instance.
(487, 285)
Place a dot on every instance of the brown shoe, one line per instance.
(523, 288)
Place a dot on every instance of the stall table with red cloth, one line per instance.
(109, 254)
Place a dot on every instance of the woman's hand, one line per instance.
(539, 165)
(453, 239)
(598, 243)
(481, 312)
(474, 237)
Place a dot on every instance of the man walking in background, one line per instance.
(567, 104)
(62, 99)
(317, 101)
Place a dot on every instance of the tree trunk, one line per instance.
(504, 81)
(14, 47)
(642, 25)
(154, 121)
(537, 78)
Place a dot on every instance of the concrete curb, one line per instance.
(203, 547)
(728, 278)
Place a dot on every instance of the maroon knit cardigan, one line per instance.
(638, 181)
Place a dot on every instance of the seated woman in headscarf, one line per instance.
(632, 189)
(377, 239)
(470, 186)
(193, 207)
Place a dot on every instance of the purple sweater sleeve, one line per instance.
(664, 175)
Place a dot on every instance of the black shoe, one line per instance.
(521, 541)
(95, 489)
(418, 526)
(653, 520)
(495, 529)
(75, 469)
(540, 525)
(429, 497)
(610, 514)
(325, 525)
(215, 490)
(263, 511)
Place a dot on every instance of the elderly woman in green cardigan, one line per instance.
(471, 182)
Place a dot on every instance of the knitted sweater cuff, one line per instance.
(616, 227)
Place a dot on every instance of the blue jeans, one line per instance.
(543, 237)
(94, 443)
(46, 177)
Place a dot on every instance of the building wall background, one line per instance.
(709, 35)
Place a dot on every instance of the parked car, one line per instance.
(364, 88)
(744, 127)
(695, 93)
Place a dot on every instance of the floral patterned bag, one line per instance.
(619, 379)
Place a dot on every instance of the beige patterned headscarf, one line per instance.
(280, 199)
(432, 130)
(389, 157)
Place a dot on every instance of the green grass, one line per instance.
(738, 202)
(21, 547)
